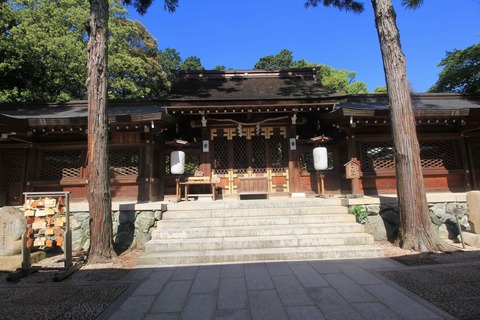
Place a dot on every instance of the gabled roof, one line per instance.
(247, 85)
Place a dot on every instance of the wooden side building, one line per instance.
(239, 129)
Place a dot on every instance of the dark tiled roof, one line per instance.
(425, 101)
(247, 85)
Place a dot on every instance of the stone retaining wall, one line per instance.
(131, 228)
(383, 220)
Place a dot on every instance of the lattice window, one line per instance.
(58, 164)
(377, 155)
(12, 170)
(220, 164)
(239, 155)
(437, 154)
(124, 162)
(433, 154)
(475, 150)
(278, 152)
(258, 154)
(306, 161)
(167, 164)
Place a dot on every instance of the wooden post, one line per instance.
(321, 184)
(352, 172)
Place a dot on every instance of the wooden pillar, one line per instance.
(149, 169)
(205, 159)
(293, 164)
(468, 176)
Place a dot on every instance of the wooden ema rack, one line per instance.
(47, 217)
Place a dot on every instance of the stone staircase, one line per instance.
(199, 232)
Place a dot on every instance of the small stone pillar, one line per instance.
(473, 206)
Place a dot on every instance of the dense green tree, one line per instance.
(170, 61)
(380, 90)
(43, 53)
(191, 63)
(416, 228)
(461, 71)
(281, 61)
(339, 81)
(134, 68)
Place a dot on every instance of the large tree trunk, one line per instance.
(416, 228)
(98, 188)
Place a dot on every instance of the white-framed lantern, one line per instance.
(177, 162)
(320, 158)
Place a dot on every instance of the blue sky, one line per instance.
(237, 33)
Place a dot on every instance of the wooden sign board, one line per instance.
(352, 169)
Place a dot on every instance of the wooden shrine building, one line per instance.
(246, 131)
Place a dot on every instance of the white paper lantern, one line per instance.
(177, 162)
(320, 158)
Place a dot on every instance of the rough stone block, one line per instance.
(473, 205)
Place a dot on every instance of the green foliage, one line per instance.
(134, 68)
(191, 63)
(170, 61)
(360, 213)
(380, 90)
(283, 60)
(347, 5)
(43, 53)
(461, 71)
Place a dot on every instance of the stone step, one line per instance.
(285, 241)
(262, 254)
(199, 232)
(250, 212)
(249, 231)
(254, 204)
(256, 221)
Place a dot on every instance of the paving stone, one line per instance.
(200, 306)
(233, 314)
(307, 275)
(359, 275)
(266, 305)
(278, 269)
(348, 288)
(232, 271)
(207, 280)
(304, 313)
(232, 294)
(154, 283)
(291, 291)
(332, 304)
(185, 273)
(324, 267)
(375, 311)
(257, 277)
(163, 316)
(396, 301)
(173, 297)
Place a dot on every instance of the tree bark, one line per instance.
(416, 231)
(98, 187)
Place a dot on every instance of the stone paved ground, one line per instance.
(449, 281)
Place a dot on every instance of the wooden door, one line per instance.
(12, 177)
(253, 153)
